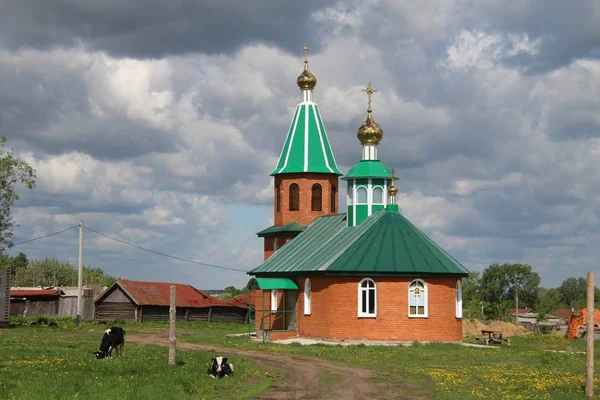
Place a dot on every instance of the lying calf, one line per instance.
(112, 338)
(220, 368)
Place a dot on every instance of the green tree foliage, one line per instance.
(12, 172)
(500, 282)
(231, 291)
(573, 292)
(549, 300)
(53, 272)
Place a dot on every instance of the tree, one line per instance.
(500, 282)
(230, 292)
(549, 300)
(12, 171)
(53, 272)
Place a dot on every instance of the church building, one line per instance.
(367, 273)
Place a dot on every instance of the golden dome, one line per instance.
(369, 132)
(392, 190)
(306, 80)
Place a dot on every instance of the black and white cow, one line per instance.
(220, 368)
(112, 338)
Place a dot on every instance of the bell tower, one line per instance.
(306, 176)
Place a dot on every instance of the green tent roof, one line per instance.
(369, 169)
(306, 148)
(386, 243)
(292, 227)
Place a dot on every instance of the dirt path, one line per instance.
(303, 373)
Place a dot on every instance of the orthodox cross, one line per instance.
(393, 175)
(306, 49)
(369, 91)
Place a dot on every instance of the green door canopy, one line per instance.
(273, 283)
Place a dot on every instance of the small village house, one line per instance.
(142, 301)
(30, 301)
(368, 273)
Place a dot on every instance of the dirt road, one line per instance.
(303, 373)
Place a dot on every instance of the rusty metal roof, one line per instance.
(34, 292)
(158, 294)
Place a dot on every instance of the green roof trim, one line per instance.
(306, 147)
(369, 169)
(385, 243)
(276, 283)
(292, 227)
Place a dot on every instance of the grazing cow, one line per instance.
(113, 337)
(220, 368)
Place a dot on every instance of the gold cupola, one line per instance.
(369, 132)
(306, 80)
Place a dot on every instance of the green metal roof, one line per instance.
(385, 243)
(276, 283)
(369, 169)
(306, 148)
(292, 227)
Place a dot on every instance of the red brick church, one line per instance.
(367, 273)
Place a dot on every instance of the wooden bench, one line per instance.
(493, 337)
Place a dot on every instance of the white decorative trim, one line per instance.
(325, 133)
(361, 314)
(369, 151)
(307, 296)
(354, 202)
(291, 143)
(306, 96)
(425, 300)
(369, 197)
(314, 108)
(459, 303)
(306, 119)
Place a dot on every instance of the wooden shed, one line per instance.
(34, 301)
(141, 301)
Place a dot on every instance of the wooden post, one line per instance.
(589, 378)
(79, 289)
(172, 314)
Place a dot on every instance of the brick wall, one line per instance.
(305, 181)
(334, 310)
(268, 245)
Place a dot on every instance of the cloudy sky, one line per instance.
(158, 122)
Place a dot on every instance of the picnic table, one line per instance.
(493, 337)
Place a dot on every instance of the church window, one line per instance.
(417, 299)
(275, 244)
(294, 197)
(307, 290)
(350, 195)
(367, 299)
(361, 195)
(333, 198)
(459, 305)
(377, 195)
(273, 299)
(278, 197)
(316, 202)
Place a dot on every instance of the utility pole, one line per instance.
(172, 315)
(517, 304)
(79, 288)
(589, 378)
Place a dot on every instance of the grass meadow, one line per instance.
(48, 363)
(57, 363)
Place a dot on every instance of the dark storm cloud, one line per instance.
(157, 28)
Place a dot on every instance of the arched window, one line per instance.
(459, 305)
(367, 299)
(278, 197)
(417, 299)
(377, 195)
(350, 195)
(361, 195)
(273, 299)
(333, 198)
(275, 244)
(307, 289)
(316, 203)
(294, 197)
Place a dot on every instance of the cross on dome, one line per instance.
(369, 91)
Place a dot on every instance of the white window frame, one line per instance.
(275, 244)
(358, 189)
(425, 299)
(382, 194)
(273, 300)
(307, 296)
(459, 299)
(360, 290)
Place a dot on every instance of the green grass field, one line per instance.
(57, 363)
(42, 362)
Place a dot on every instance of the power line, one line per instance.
(161, 254)
(45, 236)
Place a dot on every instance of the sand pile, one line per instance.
(472, 327)
(508, 329)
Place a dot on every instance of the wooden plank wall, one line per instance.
(112, 311)
(5, 295)
(67, 307)
(228, 314)
(198, 314)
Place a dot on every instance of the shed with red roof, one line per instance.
(143, 301)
